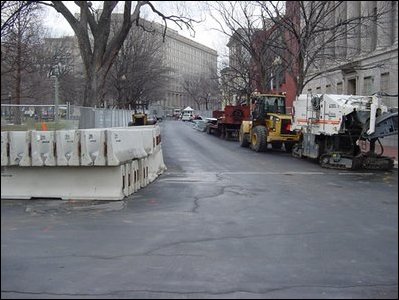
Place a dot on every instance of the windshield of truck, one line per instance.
(274, 104)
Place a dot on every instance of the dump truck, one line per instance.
(228, 121)
(269, 124)
(333, 127)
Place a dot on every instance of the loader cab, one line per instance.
(262, 105)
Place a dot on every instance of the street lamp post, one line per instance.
(55, 71)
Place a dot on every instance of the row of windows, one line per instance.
(351, 86)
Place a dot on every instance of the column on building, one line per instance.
(353, 34)
(340, 42)
(395, 22)
(368, 26)
(384, 28)
(329, 51)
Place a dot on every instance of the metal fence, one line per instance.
(101, 117)
(28, 117)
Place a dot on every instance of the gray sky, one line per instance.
(204, 32)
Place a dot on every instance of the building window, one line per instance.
(318, 90)
(328, 89)
(385, 83)
(368, 85)
(339, 88)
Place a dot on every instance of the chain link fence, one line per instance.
(42, 117)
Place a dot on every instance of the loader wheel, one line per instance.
(243, 139)
(258, 139)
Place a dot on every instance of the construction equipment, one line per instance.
(269, 124)
(334, 126)
(141, 119)
(228, 121)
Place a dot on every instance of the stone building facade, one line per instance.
(371, 52)
(186, 58)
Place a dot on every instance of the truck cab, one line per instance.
(269, 124)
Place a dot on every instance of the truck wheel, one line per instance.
(243, 139)
(258, 139)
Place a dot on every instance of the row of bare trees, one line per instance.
(115, 61)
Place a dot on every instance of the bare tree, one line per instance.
(12, 11)
(316, 35)
(17, 59)
(236, 78)
(138, 75)
(97, 46)
(299, 37)
(59, 53)
(201, 89)
(250, 57)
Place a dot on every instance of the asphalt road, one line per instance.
(221, 222)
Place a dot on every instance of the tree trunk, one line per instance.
(94, 88)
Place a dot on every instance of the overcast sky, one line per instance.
(205, 32)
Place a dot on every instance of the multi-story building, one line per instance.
(185, 58)
(371, 53)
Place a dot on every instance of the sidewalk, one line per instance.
(390, 146)
(391, 151)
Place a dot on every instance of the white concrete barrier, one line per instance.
(67, 145)
(92, 142)
(147, 133)
(129, 165)
(19, 143)
(43, 148)
(4, 149)
(67, 183)
(124, 145)
(143, 172)
(135, 166)
(156, 165)
(97, 164)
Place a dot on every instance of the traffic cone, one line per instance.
(44, 126)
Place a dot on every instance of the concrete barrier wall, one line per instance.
(5, 160)
(67, 147)
(124, 145)
(20, 148)
(43, 148)
(97, 164)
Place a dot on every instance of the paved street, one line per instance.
(221, 222)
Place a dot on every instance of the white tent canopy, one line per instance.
(188, 108)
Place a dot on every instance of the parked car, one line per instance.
(202, 123)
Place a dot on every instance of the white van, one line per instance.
(187, 116)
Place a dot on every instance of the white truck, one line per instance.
(333, 126)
